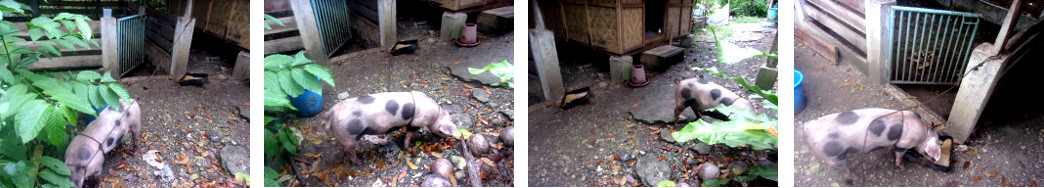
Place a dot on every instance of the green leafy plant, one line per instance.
(502, 70)
(730, 53)
(666, 183)
(290, 76)
(273, 179)
(273, 19)
(37, 107)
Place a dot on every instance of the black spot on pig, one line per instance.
(877, 148)
(715, 93)
(85, 153)
(391, 106)
(899, 149)
(877, 127)
(847, 118)
(118, 124)
(834, 135)
(690, 103)
(685, 93)
(357, 113)
(728, 101)
(365, 99)
(109, 141)
(895, 131)
(355, 127)
(832, 148)
(847, 151)
(407, 111)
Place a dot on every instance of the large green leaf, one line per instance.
(84, 29)
(306, 80)
(278, 101)
(59, 180)
(737, 132)
(50, 49)
(6, 76)
(13, 148)
(271, 144)
(52, 163)
(270, 177)
(107, 77)
(288, 84)
(35, 34)
(95, 97)
(300, 59)
(120, 91)
(715, 182)
(288, 140)
(321, 72)
(55, 126)
(17, 172)
(70, 115)
(502, 70)
(17, 96)
(274, 20)
(77, 41)
(69, 99)
(63, 43)
(28, 119)
(88, 76)
(109, 96)
(277, 61)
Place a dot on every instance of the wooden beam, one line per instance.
(289, 22)
(306, 25)
(158, 56)
(857, 38)
(856, 20)
(813, 40)
(180, 50)
(283, 45)
(1009, 25)
(68, 63)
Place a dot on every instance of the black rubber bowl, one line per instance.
(410, 47)
(193, 79)
(912, 156)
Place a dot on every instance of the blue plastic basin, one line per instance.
(308, 104)
(799, 92)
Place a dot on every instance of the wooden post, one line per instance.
(108, 44)
(386, 17)
(179, 51)
(878, 39)
(538, 17)
(304, 16)
(242, 67)
(1009, 24)
(545, 55)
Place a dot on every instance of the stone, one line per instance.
(462, 120)
(389, 151)
(620, 68)
(343, 96)
(458, 161)
(660, 58)
(244, 111)
(242, 68)
(665, 134)
(480, 95)
(165, 174)
(452, 23)
(687, 41)
(658, 106)
(496, 21)
(510, 114)
(651, 170)
(235, 159)
(766, 78)
(701, 148)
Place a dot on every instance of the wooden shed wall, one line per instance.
(228, 19)
(615, 26)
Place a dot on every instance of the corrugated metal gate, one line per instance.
(930, 46)
(130, 45)
(331, 18)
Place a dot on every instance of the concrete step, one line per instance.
(660, 58)
(496, 21)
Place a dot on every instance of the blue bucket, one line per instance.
(308, 104)
(772, 14)
(799, 92)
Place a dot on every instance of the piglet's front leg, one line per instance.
(409, 136)
(899, 158)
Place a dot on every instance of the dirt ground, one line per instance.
(428, 70)
(596, 144)
(192, 128)
(1001, 148)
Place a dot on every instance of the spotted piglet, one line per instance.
(381, 113)
(700, 94)
(86, 151)
(833, 137)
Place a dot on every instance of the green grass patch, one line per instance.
(748, 19)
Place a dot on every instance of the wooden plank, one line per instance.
(108, 43)
(91, 4)
(77, 49)
(157, 56)
(856, 5)
(289, 22)
(857, 39)
(309, 31)
(68, 63)
(856, 20)
(368, 12)
(283, 45)
(159, 40)
(576, 22)
(605, 29)
(166, 32)
(818, 44)
(238, 22)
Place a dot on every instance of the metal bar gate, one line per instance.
(930, 46)
(331, 19)
(130, 45)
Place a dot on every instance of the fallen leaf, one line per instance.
(635, 105)
(972, 153)
(884, 105)
(661, 157)
(1034, 183)
(490, 163)
(456, 62)
(966, 163)
(412, 166)
(977, 178)
(437, 155)
(990, 175)
(1004, 181)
